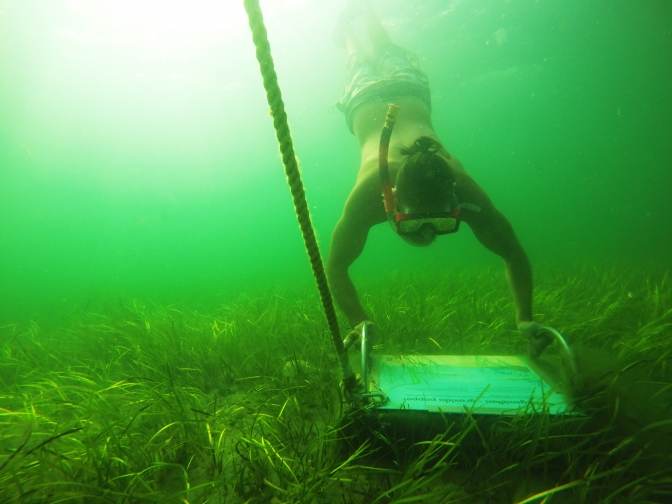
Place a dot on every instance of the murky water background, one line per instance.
(137, 155)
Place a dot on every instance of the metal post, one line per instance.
(366, 346)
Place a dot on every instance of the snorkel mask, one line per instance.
(409, 224)
(442, 222)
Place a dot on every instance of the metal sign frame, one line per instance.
(480, 384)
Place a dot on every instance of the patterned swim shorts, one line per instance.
(393, 74)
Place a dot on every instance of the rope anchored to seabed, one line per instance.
(274, 97)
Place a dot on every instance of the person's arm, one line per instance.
(347, 243)
(494, 231)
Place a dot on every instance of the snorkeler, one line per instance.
(429, 192)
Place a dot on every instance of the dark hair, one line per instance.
(425, 181)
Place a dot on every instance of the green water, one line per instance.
(137, 154)
(139, 168)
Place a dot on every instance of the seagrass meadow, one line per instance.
(161, 337)
(128, 401)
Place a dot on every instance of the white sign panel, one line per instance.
(450, 383)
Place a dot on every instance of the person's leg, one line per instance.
(353, 44)
(377, 68)
(366, 35)
(359, 29)
(374, 36)
(362, 72)
(392, 62)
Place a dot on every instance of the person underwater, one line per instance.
(427, 192)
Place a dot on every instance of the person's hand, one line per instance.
(537, 340)
(371, 332)
(358, 327)
(356, 332)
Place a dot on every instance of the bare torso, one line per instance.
(364, 208)
(413, 121)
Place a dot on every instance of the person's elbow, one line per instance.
(336, 269)
(514, 253)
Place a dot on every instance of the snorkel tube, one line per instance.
(388, 197)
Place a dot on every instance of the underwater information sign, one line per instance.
(485, 384)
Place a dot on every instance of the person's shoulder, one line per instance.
(365, 201)
(369, 174)
(453, 163)
(478, 205)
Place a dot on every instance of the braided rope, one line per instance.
(274, 97)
